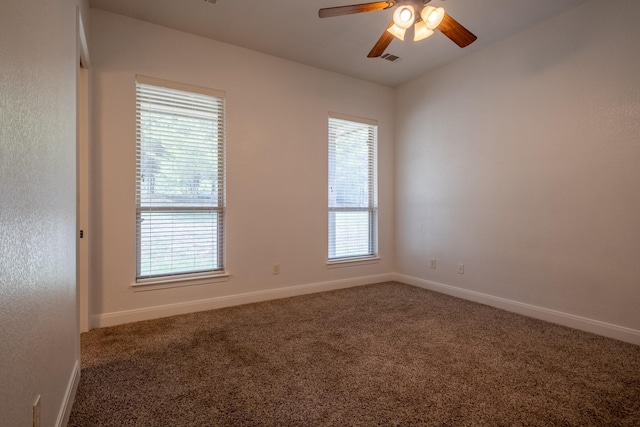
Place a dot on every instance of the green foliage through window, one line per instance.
(352, 189)
(180, 194)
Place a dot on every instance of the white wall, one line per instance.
(39, 341)
(522, 162)
(276, 163)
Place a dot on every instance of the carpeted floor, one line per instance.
(379, 355)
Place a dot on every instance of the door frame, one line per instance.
(83, 178)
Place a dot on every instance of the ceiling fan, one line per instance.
(424, 19)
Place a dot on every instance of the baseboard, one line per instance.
(577, 322)
(72, 387)
(147, 313)
(582, 323)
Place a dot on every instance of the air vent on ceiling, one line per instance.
(389, 57)
(211, 1)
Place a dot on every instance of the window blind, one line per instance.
(180, 179)
(353, 211)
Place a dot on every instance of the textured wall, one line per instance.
(521, 161)
(276, 160)
(39, 343)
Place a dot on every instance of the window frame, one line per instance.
(372, 208)
(172, 279)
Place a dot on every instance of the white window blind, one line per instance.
(180, 179)
(353, 206)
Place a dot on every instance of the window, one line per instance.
(353, 207)
(180, 180)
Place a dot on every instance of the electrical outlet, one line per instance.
(36, 412)
(460, 268)
(433, 263)
(276, 269)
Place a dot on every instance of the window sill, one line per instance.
(352, 262)
(178, 282)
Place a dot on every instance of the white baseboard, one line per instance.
(577, 322)
(582, 323)
(147, 313)
(70, 394)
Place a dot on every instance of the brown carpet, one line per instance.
(379, 355)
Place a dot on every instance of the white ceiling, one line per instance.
(291, 29)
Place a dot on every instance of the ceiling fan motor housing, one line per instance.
(417, 5)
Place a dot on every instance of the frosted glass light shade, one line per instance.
(404, 16)
(421, 31)
(397, 31)
(432, 16)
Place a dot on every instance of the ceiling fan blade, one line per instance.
(328, 12)
(456, 32)
(382, 43)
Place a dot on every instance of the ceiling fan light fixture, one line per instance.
(397, 31)
(407, 13)
(404, 16)
(421, 31)
(433, 16)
